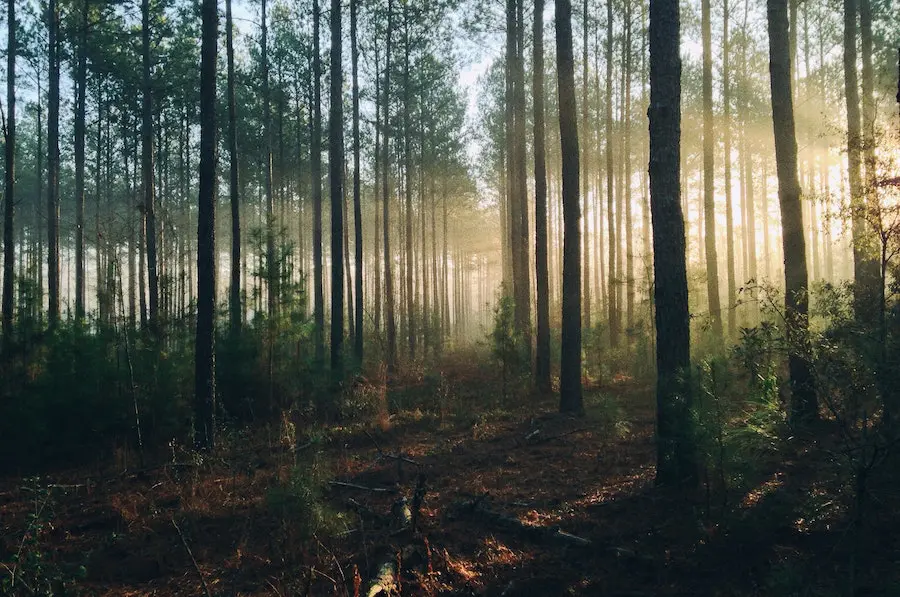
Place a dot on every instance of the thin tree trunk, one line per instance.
(9, 179)
(729, 209)
(234, 297)
(584, 164)
(147, 171)
(391, 353)
(542, 278)
(316, 167)
(709, 206)
(614, 322)
(53, 270)
(357, 200)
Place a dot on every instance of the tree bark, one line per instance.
(53, 286)
(542, 278)
(614, 321)
(729, 209)
(79, 126)
(709, 206)
(570, 399)
(234, 297)
(676, 462)
(316, 168)
(803, 407)
(205, 362)
(390, 320)
(357, 201)
(147, 171)
(9, 178)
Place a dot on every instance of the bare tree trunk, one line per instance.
(729, 208)
(391, 356)
(542, 353)
(205, 362)
(804, 406)
(584, 164)
(709, 206)
(234, 297)
(675, 464)
(614, 321)
(570, 399)
(336, 179)
(357, 200)
(9, 195)
(316, 168)
(53, 286)
(147, 171)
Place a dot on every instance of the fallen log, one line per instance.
(384, 577)
(362, 487)
(476, 510)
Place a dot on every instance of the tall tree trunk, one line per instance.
(234, 296)
(147, 171)
(626, 168)
(584, 164)
(336, 182)
(357, 200)
(391, 323)
(803, 405)
(80, 104)
(316, 168)
(53, 270)
(729, 210)
(865, 268)
(205, 362)
(542, 277)
(273, 266)
(570, 398)
(614, 321)
(709, 206)
(407, 191)
(9, 178)
(675, 462)
(376, 306)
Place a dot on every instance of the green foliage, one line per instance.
(30, 571)
(300, 504)
(607, 413)
(507, 345)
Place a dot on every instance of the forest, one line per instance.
(450, 297)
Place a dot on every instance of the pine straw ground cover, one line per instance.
(503, 494)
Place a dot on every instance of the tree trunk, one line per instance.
(407, 191)
(570, 399)
(626, 168)
(709, 206)
(803, 407)
(865, 268)
(729, 215)
(79, 126)
(234, 297)
(53, 286)
(357, 201)
(316, 168)
(9, 179)
(614, 321)
(336, 182)
(542, 278)
(205, 363)
(676, 462)
(147, 170)
(391, 323)
(584, 163)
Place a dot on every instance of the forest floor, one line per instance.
(517, 501)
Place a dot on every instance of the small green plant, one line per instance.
(507, 345)
(30, 572)
(299, 502)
